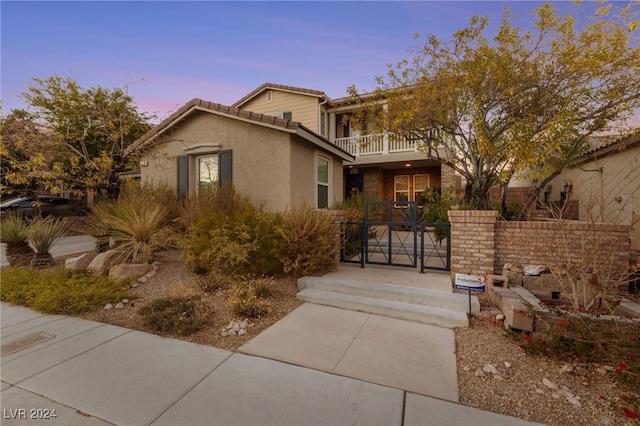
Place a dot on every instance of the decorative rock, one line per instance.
(480, 373)
(119, 305)
(244, 324)
(534, 270)
(500, 317)
(125, 301)
(224, 334)
(556, 395)
(150, 274)
(567, 368)
(142, 280)
(232, 333)
(80, 263)
(127, 270)
(497, 377)
(539, 391)
(236, 328)
(490, 368)
(108, 306)
(156, 263)
(101, 264)
(242, 332)
(134, 285)
(574, 401)
(548, 383)
(507, 364)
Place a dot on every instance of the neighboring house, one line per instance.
(386, 167)
(276, 162)
(605, 184)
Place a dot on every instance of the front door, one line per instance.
(354, 184)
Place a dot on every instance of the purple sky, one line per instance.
(170, 52)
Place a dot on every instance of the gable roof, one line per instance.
(196, 104)
(281, 87)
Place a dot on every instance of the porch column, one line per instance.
(473, 241)
(332, 126)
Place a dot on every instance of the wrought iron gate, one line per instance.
(391, 234)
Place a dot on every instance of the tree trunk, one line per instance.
(41, 261)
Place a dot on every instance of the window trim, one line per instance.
(328, 184)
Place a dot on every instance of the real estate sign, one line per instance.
(470, 282)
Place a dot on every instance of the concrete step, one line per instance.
(418, 296)
(421, 305)
(401, 310)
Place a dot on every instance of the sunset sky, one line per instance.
(167, 53)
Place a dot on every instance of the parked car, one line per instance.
(48, 205)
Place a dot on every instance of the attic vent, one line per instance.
(285, 115)
(269, 96)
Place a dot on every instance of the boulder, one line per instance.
(101, 264)
(534, 270)
(128, 270)
(81, 262)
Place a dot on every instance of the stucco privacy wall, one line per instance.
(261, 157)
(480, 244)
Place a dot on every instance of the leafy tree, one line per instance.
(28, 152)
(521, 104)
(93, 126)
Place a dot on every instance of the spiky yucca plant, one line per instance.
(13, 232)
(139, 225)
(43, 234)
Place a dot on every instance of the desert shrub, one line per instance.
(43, 234)
(141, 221)
(59, 291)
(244, 300)
(174, 315)
(233, 236)
(589, 339)
(312, 241)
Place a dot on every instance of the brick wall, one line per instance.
(562, 243)
(480, 244)
(372, 182)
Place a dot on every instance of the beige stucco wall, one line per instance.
(303, 108)
(272, 167)
(611, 196)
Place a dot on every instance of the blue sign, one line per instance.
(470, 282)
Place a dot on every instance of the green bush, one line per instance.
(354, 207)
(174, 315)
(60, 291)
(227, 235)
(312, 241)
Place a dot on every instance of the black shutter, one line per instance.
(226, 166)
(183, 176)
(287, 115)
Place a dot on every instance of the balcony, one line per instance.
(376, 144)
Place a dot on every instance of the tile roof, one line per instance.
(599, 146)
(264, 119)
(266, 86)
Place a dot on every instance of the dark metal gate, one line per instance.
(392, 234)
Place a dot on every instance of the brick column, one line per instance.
(448, 177)
(472, 241)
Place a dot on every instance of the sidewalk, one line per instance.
(98, 374)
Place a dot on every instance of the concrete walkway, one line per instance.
(97, 374)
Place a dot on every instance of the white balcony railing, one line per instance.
(375, 144)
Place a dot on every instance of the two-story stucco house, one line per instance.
(385, 167)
